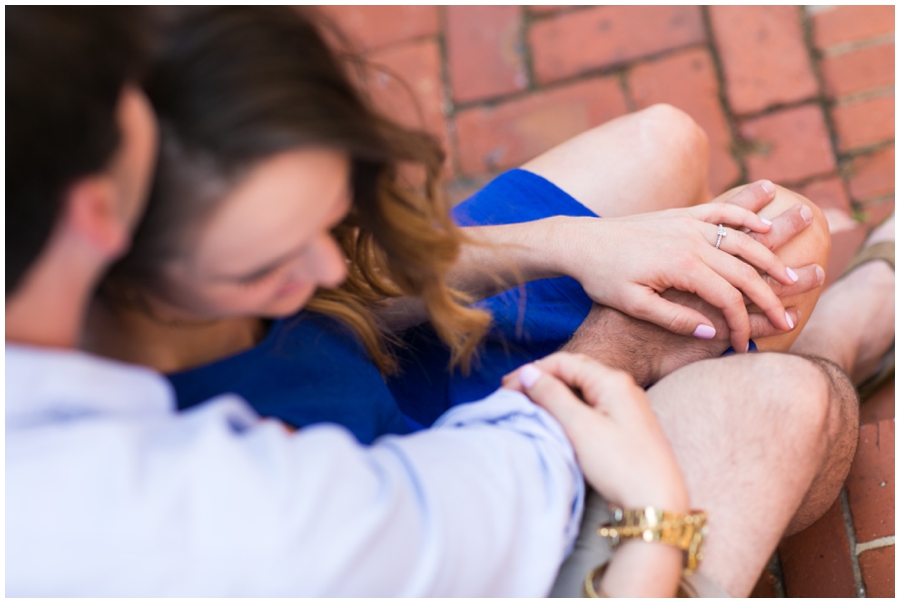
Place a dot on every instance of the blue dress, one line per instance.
(312, 369)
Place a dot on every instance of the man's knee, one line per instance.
(841, 435)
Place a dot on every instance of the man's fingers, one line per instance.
(731, 215)
(754, 196)
(785, 227)
(808, 278)
(761, 326)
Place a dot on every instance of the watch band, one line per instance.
(683, 531)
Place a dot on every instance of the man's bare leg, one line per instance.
(752, 433)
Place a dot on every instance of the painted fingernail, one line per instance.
(704, 332)
(806, 214)
(747, 349)
(768, 187)
(820, 275)
(792, 275)
(529, 374)
(766, 222)
(790, 322)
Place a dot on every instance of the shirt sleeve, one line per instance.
(214, 502)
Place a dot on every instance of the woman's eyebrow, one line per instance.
(265, 269)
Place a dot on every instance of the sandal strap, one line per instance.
(883, 250)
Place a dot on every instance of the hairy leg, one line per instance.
(645, 161)
(764, 442)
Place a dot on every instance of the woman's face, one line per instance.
(267, 247)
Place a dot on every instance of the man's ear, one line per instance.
(91, 215)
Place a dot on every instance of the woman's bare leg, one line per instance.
(646, 161)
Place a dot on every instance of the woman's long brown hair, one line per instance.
(234, 85)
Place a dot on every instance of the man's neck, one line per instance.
(47, 310)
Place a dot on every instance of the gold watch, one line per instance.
(683, 531)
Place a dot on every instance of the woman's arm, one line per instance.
(624, 454)
(625, 263)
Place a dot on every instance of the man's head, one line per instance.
(81, 141)
(80, 137)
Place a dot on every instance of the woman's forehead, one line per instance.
(284, 200)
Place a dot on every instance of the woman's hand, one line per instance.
(625, 263)
(624, 455)
(619, 444)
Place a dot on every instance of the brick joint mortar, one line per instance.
(878, 543)
(739, 146)
(851, 539)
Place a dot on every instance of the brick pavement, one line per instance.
(802, 96)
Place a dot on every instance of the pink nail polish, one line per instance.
(528, 375)
(704, 332)
(790, 322)
(747, 349)
(792, 275)
(766, 222)
(768, 187)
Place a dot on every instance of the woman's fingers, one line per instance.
(755, 253)
(754, 196)
(743, 277)
(609, 390)
(557, 398)
(718, 292)
(785, 227)
(646, 304)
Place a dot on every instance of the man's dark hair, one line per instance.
(65, 69)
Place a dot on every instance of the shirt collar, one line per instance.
(49, 384)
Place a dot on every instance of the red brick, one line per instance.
(547, 9)
(864, 123)
(688, 81)
(484, 51)
(827, 194)
(879, 407)
(830, 196)
(788, 145)
(877, 567)
(816, 562)
(418, 66)
(845, 24)
(765, 586)
(858, 71)
(373, 27)
(599, 37)
(872, 175)
(876, 212)
(870, 485)
(764, 59)
(844, 245)
(505, 136)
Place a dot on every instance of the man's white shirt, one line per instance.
(111, 492)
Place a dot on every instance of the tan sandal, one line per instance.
(883, 250)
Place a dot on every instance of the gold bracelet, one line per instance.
(591, 589)
(683, 531)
